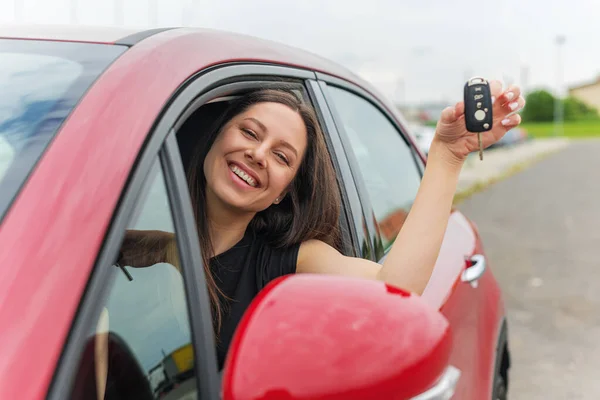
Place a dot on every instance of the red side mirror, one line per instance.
(329, 338)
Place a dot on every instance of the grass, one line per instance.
(575, 129)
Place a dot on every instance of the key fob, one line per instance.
(478, 105)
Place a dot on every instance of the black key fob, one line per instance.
(478, 105)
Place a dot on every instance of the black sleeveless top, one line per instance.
(241, 272)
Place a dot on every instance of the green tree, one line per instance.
(539, 107)
(577, 110)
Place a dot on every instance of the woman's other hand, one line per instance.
(145, 248)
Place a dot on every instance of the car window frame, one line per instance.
(258, 75)
(352, 206)
(325, 81)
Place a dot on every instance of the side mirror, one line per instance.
(332, 338)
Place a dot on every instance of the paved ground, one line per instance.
(541, 229)
(497, 162)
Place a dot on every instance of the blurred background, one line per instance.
(535, 196)
(417, 53)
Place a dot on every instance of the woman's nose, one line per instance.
(257, 155)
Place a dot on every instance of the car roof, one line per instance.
(132, 36)
(219, 46)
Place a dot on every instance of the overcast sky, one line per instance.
(413, 51)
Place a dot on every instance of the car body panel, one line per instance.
(475, 314)
(58, 222)
(462, 304)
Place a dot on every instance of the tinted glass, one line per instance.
(40, 84)
(141, 346)
(384, 158)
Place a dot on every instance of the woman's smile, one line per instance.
(243, 176)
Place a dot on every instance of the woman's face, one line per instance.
(255, 157)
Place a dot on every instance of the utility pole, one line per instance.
(524, 79)
(558, 101)
(400, 92)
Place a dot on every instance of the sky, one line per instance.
(413, 51)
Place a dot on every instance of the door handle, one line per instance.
(475, 271)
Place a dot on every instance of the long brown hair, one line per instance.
(311, 208)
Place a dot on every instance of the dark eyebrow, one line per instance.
(264, 129)
(289, 146)
(257, 122)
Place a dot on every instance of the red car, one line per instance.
(96, 132)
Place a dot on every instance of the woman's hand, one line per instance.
(452, 135)
(145, 248)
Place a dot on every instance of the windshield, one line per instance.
(40, 82)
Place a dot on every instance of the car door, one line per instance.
(387, 174)
(142, 332)
(179, 302)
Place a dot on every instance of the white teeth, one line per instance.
(242, 175)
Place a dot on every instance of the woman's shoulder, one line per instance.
(272, 244)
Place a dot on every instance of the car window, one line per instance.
(385, 160)
(40, 84)
(141, 346)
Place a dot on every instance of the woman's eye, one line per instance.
(283, 158)
(250, 133)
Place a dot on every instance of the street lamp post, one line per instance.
(400, 92)
(558, 101)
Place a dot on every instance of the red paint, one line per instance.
(324, 337)
(474, 313)
(51, 236)
(491, 313)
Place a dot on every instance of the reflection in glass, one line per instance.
(142, 346)
(40, 84)
(385, 161)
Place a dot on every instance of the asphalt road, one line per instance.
(541, 230)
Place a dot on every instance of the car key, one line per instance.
(478, 108)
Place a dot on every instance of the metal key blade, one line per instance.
(480, 146)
